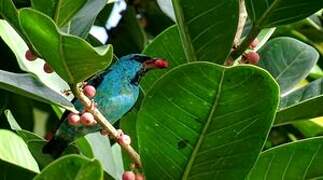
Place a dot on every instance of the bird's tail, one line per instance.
(55, 147)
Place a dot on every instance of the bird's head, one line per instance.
(136, 65)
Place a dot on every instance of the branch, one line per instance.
(245, 43)
(242, 21)
(104, 123)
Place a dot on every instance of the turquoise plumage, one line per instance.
(117, 91)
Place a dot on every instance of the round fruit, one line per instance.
(252, 57)
(124, 139)
(47, 68)
(128, 175)
(30, 56)
(87, 119)
(74, 119)
(89, 91)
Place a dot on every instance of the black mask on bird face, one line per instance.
(148, 63)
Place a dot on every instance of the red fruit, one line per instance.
(30, 56)
(74, 119)
(47, 68)
(49, 136)
(87, 119)
(124, 139)
(254, 43)
(252, 57)
(128, 175)
(89, 91)
(139, 177)
(160, 63)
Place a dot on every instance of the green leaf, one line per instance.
(298, 105)
(272, 13)
(207, 28)
(205, 121)
(102, 151)
(71, 57)
(19, 48)
(297, 160)
(34, 142)
(288, 60)
(15, 151)
(74, 167)
(60, 10)
(9, 12)
(82, 22)
(166, 45)
(36, 149)
(128, 37)
(27, 85)
(11, 171)
(311, 127)
(84, 146)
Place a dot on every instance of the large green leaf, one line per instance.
(297, 160)
(27, 85)
(207, 28)
(300, 104)
(205, 121)
(288, 60)
(19, 48)
(15, 151)
(166, 45)
(60, 10)
(102, 151)
(270, 13)
(71, 57)
(74, 167)
(34, 142)
(9, 12)
(82, 22)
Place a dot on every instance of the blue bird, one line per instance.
(117, 90)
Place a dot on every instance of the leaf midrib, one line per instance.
(205, 128)
(183, 31)
(259, 22)
(63, 60)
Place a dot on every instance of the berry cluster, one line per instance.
(85, 118)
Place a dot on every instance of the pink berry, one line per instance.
(252, 57)
(139, 177)
(87, 119)
(89, 91)
(47, 68)
(124, 139)
(254, 43)
(30, 56)
(128, 175)
(74, 119)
